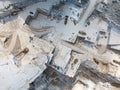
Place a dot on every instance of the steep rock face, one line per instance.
(88, 77)
(91, 70)
(113, 12)
(95, 67)
(50, 79)
(110, 11)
